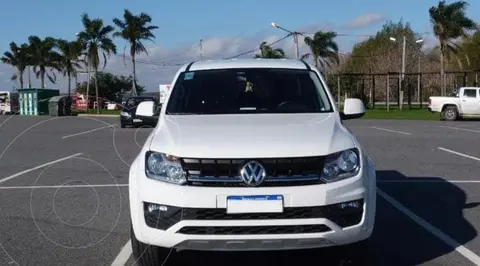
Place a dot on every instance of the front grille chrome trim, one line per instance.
(235, 179)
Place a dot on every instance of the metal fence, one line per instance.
(387, 89)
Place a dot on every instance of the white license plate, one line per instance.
(136, 120)
(255, 204)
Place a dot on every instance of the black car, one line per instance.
(127, 115)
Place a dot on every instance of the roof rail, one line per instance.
(188, 66)
(306, 65)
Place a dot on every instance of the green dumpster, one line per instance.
(35, 101)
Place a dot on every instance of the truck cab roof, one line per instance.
(245, 63)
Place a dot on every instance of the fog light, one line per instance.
(350, 205)
(151, 207)
(161, 216)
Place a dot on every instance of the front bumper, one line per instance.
(198, 219)
(126, 119)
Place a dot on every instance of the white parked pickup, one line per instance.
(465, 103)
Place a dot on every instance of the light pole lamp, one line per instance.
(402, 77)
(295, 37)
(404, 45)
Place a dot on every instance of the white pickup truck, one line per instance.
(465, 103)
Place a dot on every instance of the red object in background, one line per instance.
(82, 104)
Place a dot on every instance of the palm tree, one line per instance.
(135, 29)
(449, 22)
(44, 58)
(266, 51)
(95, 40)
(70, 52)
(323, 49)
(17, 57)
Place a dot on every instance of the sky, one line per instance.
(226, 27)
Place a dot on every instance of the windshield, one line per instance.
(3, 97)
(236, 91)
(132, 102)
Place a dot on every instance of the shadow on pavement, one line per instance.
(396, 240)
(434, 200)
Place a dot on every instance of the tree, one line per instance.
(135, 29)
(266, 51)
(323, 49)
(469, 52)
(95, 39)
(111, 87)
(69, 59)
(379, 54)
(44, 58)
(17, 57)
(449, 22)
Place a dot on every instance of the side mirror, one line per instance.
(146, 108)
(352, 108)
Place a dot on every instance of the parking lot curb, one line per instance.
(96, 115)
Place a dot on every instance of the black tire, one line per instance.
(147, 255)
(122, 125)
(450, 113)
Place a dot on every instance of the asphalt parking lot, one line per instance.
(64, 195)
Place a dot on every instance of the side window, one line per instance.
(470, 93)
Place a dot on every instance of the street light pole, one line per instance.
(295, 37)
(295, 40)
(403, 57)
(201, 49)
(402, 74)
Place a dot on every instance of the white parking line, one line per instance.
(88, 131)
(468, 254)
(38, 167)
(390, 130)
(462, 129)
(124, 255)
(67, 186)
(430, 181)
(460, 154)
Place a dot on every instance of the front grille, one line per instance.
(280, 171)
(254, 230)
(342, 217)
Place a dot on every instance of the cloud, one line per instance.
(365, 20)
(161, 63)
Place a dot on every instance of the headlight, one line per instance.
(122, 113)
(164, 167)
(341, 165)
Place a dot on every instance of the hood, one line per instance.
(250, 135)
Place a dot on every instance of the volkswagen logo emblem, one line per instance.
(253, 173)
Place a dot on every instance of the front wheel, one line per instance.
(450, 113)
(148, 255)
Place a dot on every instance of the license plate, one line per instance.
(137, 120)
(255, 204)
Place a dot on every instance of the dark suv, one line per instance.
(127, 115)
